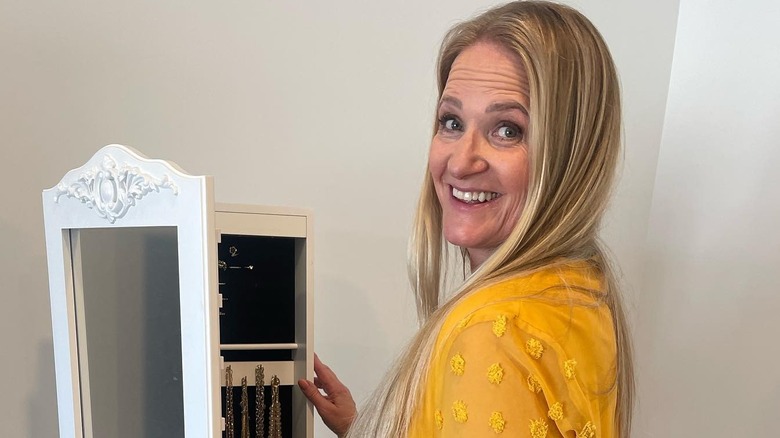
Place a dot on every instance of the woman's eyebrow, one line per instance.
(494, 107)
(452, 101)
(504, 106)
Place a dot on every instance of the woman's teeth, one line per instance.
(474, 197)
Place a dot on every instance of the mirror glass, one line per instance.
(129, 331)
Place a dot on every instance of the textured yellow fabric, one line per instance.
(497, 422)
(556, 412)
(532, 356)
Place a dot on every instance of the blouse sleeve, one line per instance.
(504, 377)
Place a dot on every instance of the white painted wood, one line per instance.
(237, 347)
(285, 222)
(81, 333)
(60, 267)
(303, 423)
(265, 210)
(118, 187)
(261, 224)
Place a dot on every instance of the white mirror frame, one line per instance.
(119, 187)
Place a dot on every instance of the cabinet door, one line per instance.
(132, 273)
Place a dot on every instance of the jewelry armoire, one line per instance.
(163, 302)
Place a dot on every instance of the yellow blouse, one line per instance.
(532, 356)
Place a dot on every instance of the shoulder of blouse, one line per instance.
(563, 289)
(549, 330)
(561, 304)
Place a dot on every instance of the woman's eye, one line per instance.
(450, 123)
(508, 132)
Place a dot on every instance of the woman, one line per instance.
(534, 343)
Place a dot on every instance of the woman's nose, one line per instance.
(467, 156)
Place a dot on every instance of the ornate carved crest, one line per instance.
(112, 189)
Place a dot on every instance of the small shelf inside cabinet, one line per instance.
(289, 346)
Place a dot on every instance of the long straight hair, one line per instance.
(575, 143)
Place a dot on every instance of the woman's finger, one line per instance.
(336, 407)
(311, 392)
(322, 370)
(327, 378)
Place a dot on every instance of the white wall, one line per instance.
(708, 319)
(325, 105)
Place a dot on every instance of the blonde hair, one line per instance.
(575, 140)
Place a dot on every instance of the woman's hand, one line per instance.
(336, 407)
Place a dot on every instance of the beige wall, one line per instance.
(325, 105)
(707, 331)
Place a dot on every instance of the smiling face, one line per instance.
(479, 155)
